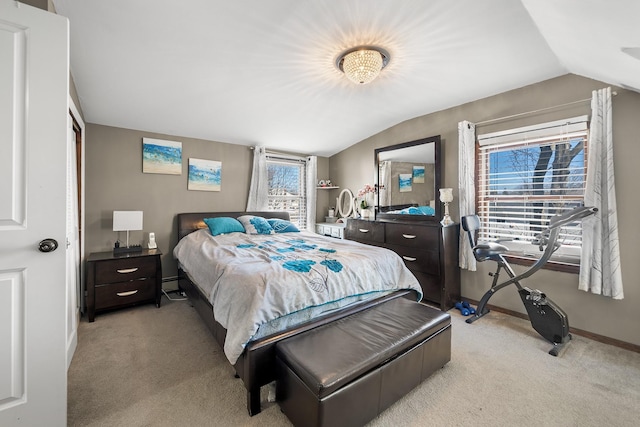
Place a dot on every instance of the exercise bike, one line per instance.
(549, 320)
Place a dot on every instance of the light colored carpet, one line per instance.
(145, 366)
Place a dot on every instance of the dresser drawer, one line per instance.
(413, 236)
(365, 231)
(418, 259)
(121, 270)
(118, 294)
(431, 287)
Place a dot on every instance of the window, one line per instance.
(287, 187)
(528, 175)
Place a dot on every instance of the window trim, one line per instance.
(553, 265)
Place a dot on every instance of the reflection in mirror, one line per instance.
(408, 180)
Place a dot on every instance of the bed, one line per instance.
(409, 209)
(413, 210)
(293, 281)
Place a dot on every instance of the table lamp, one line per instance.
(446, 197)
(127, 221)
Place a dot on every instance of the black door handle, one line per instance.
(48, 245)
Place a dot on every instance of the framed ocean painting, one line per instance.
(418, 174)
(404, 180)
(161, 156)
(205, 175)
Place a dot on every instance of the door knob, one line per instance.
(48, 245)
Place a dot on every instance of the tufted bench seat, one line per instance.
(347, 372)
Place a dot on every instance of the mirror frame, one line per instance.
(340, 202)
(437, 181)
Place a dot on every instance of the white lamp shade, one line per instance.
(127, 220)
(446, 195)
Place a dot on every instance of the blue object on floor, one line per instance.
(465, 311)
(468, 306)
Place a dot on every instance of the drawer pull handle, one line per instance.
(409, 236)
(126, 294)
(127, 270)
(408, 258)
(363, 230)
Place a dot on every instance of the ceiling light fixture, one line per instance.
(362, 64)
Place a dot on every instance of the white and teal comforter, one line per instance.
(258, 282)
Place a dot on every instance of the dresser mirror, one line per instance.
(408, 179)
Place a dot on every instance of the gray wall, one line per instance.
(114, 181)
(620, 319)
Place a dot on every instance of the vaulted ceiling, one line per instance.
(262, 72)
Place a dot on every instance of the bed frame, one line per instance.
(256, 366)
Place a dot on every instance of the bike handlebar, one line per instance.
(571, 216)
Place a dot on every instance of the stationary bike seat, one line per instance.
(488, 250)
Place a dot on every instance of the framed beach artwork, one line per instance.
(404, 180)
(161, 156)
(418, 174)
(205, 175)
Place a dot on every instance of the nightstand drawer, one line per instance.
(122, 270)
(118, 294)
(115, 281)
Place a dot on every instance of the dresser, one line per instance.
(429, 250)
(115, 281)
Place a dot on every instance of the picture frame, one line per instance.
(204, 175)
(404, 182)
(418, 174)
(161, 156)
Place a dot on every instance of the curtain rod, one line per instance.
(484, 122)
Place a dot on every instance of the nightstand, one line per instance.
(333, 229)
(115, 281)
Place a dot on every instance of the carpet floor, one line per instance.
(145, 366)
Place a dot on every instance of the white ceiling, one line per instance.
(261, 72)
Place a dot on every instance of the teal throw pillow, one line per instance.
(282, 226)
(223, 225)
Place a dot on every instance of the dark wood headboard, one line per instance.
(190, 222)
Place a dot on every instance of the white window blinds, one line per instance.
(527, 175)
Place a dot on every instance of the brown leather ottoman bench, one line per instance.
(347, 372)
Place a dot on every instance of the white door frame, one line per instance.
(78, 118)
(72, 338)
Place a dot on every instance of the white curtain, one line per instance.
(385, 181)
(312, 179)
(259, 188)
(466, 187)
(600, 258)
